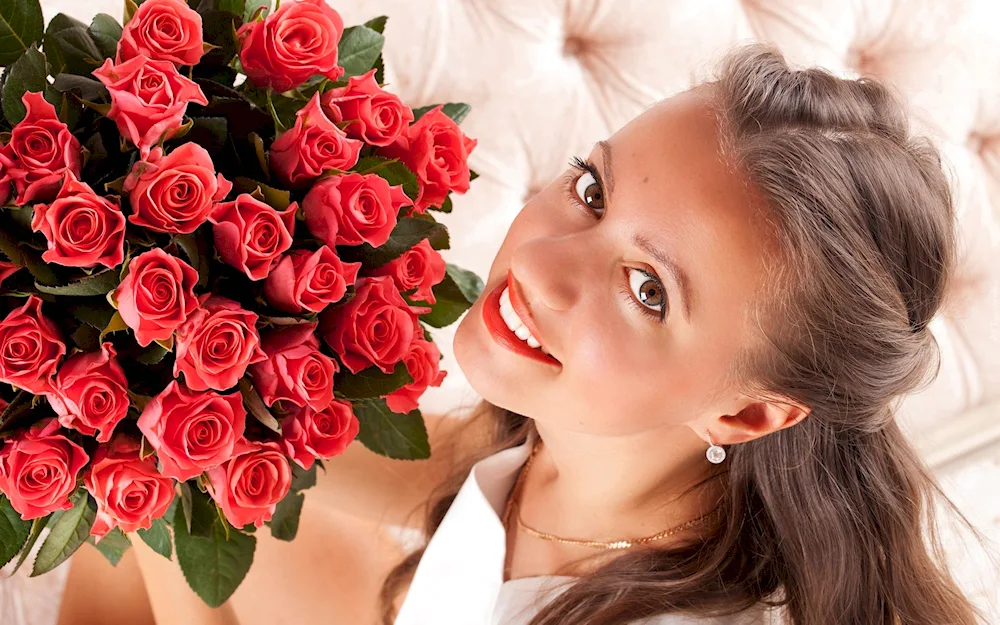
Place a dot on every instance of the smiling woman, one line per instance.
(751, 263)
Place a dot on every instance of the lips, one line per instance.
(503, 335)
(522, 310)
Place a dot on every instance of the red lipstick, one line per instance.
(502, 334)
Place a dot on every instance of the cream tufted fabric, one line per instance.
(547, 78)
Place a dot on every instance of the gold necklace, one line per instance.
(617, 544)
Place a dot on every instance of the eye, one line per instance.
(589, 191)
(647, 289)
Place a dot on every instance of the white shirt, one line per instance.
(459, 579)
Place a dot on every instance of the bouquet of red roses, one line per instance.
(219, 264)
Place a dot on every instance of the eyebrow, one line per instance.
(678, 274)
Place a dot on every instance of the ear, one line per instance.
(757, 419)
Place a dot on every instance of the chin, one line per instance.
(478, 358)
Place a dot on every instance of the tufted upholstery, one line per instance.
(547, 78)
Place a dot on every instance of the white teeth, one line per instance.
(515, 324)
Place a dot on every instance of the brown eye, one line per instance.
(647, 289)
(589, 191)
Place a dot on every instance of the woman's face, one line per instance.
(582, 256)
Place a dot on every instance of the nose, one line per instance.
(549, 272)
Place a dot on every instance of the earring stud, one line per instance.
(715, 453)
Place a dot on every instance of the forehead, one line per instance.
(673, 184)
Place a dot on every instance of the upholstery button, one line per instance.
(573, 46)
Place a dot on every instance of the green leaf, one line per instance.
(235, 7)
(14, 531)
(69, 46)
(359, 48)
(303, 479)
(453, 296)
(399, 436)
(26, 74)
(130, 8)
(198, 252)
(158, 538)
(153, 354)
(106, 32)
(252, 6)
(114, 545)
(21, 24)
(18, 408)
(67, 534)
(278, 199)
(86, 337)
(377, 23)
(371, 382)
(285, 521)
(95, 316)
(257, 407)
(213, 566)
(37, 526)
(455, 110)
(98, 284)
(398, 173)
(10, 248)
(472, 175)
(203, 513)
(408, 232)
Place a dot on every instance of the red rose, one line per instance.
(90, 393)
(250, 485)
(312, 146)
(31, 348)
(437, 151)
(379, 116)
(191, 431)
(40, 151)
(130, 492)
(304, 280)
(148, 99)
(420, 268)
(175, 193)
(291, 45)
(250, 235)
(157, 295)
(164, 30)
(422, 364)
(308, 434)
(39, 468)
(295, 370)
(375, 327)
(83, 229)
(216, 344)
(7, 270)
(351, 209)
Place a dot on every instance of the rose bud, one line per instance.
(192, 431)
(295, 370)
(308, 434)
(312, 146)
(436, 150)
(175, 193)
(376, 116)
(422, 363)
(163, 30)
(40, 152)
(216, 344)
(39, 469)
(31, 348)
(90, 393)
(250, 235)
(376, 326)
(291, 45)
(249, 486)
(148, 99)
(303, 280)
(352, 209)
(82, 228)
(129, 491)
(157, 295)
(420, 268)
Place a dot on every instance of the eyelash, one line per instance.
(581, 166)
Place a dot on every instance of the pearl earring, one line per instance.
(715, 453)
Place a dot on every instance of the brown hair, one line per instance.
(833, 518)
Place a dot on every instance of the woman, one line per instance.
(722, 304)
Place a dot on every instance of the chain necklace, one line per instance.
(617, 544)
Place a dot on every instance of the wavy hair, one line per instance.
(832, 519)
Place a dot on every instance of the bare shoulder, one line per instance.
(374, 487)
(97, 592)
